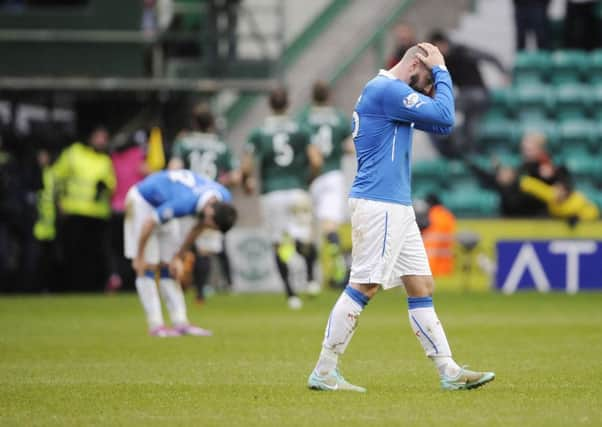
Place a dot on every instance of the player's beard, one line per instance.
(414, 78)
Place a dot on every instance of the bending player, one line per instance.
(155, 245)
(387, 248)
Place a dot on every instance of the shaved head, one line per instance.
(411, 53)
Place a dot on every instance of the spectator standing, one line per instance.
(531, 18)
(581, 25)
(405, 37)
(129, 163)
(85, 181)
(472, 96)
(45, 272)
(439, 236)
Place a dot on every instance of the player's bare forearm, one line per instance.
(189, 240)
(315, 160)
(246, 171)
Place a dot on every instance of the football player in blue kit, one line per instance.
(388, 250)
(155, 240)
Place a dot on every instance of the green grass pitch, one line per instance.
(87, 360)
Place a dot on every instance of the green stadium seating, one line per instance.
(460, 177)
(499, 103)
(577, 135)
(573, 100)
(584, 166)
(429, 172)
(594, 71)
(596, 101)
(472, 203)
(568, 65)
(497, 134)
(533, 101)
(531, 67)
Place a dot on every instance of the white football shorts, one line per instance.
(386, 243)
(328, 197)
(287, 212)
(164, 241)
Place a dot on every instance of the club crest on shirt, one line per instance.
(412, 100)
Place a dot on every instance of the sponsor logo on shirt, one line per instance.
(412, 100)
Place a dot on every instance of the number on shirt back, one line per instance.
(183, 177)
(323, 139)
(204, 163)
(283, 152)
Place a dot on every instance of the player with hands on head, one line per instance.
(156, 243)
(387, 247)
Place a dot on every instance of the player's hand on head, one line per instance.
(433, 56)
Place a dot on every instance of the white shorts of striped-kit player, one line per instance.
(386, 243)
(287, 212)
(328, 197)
(164, 241)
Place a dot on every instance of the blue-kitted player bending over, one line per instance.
(387, 247)
(155, 240)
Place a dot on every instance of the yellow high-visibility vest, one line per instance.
(78, 172)
(44, 228)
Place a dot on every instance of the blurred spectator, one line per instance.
(472, 96)
(44, 274)
(536, 161)
(85, 181)
(561, 199)
(405, 38)
(20, 179)
(531, 19)
(222, 25)
(581, 25)
(156, 16)
(438, 237)
(129, 163)
(505, 181)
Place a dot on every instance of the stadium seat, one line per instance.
(481, 203)
(429, 173)
(577, 135)
(573, 100)
(499, 103)
(568, 66)
(594, 72)
(531, 67)
(494, 134)
(533, 102)
(585, 167)
(596, 99)
(460, 177)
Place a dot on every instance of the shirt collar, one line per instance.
(387, 74)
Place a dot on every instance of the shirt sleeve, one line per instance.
(435, 114)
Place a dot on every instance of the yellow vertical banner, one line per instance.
(155, 158)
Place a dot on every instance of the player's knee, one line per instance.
(367, 289)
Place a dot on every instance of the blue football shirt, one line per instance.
(383, 121)
(179, 193)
